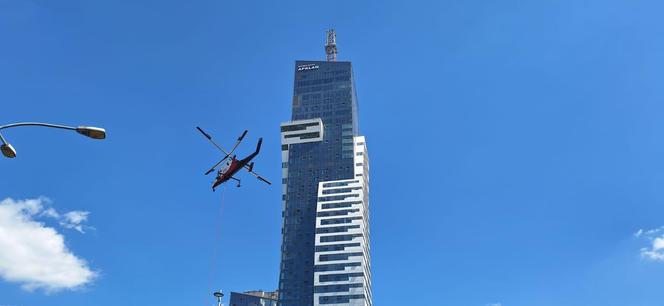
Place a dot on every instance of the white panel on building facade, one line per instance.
(301, 131)
(342, 255)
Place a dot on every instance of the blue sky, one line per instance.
(515, 145)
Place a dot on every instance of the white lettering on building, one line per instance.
(307, 67)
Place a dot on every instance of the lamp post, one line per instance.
(89, 131)
(218, 295)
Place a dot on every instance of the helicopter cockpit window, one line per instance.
(226, 165)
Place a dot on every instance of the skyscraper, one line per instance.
(325, 248)
(253, 298)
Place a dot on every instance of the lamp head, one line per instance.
(92, 132)
(8, 150)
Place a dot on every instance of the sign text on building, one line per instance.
(306, 67)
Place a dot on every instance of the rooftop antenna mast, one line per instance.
(331, 46)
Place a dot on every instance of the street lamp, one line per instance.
(89, 131)
(218, 295)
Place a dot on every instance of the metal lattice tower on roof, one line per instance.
(331, 46)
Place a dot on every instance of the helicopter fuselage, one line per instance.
(232, 167)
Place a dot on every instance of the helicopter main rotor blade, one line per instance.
(237, 143)
(212, 141)
(264, 180)
(259, 177)
(215, 165)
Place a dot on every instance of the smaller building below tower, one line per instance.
(254, 298)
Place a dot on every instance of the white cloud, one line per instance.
(74, 220)
(50, 212)
(35, 255)
(638, 233)
(71, 220)
(655, 238)
(494, 304)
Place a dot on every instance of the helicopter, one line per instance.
(231, 165)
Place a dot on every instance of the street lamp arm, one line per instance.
(57, 126)
(88, 131)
